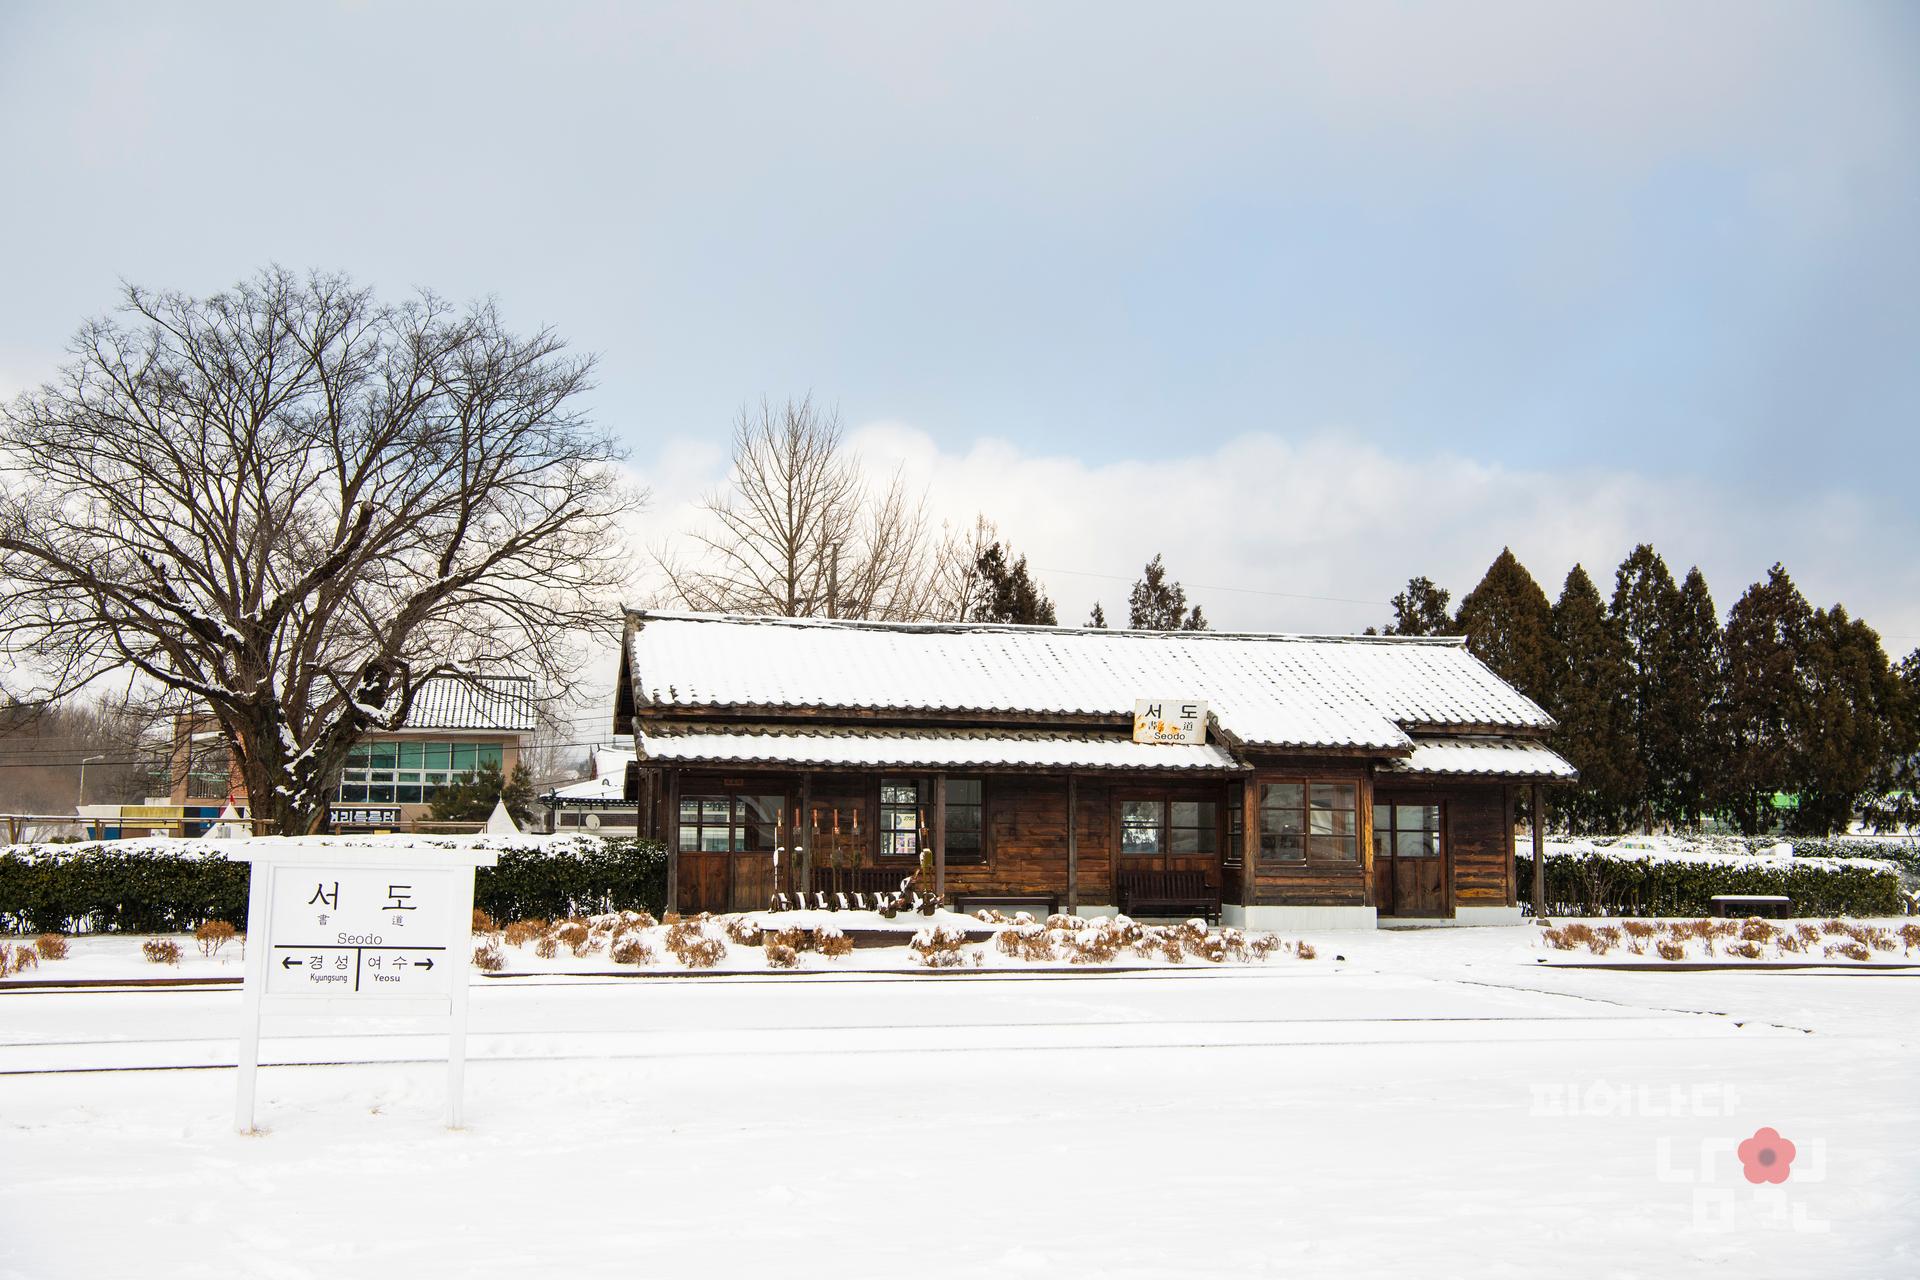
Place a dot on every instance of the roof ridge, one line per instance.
(644, 615)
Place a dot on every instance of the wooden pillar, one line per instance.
(803, 855)
(1539, 853)
(1249, 844)
(1073, 845)
(940, 835)
(670, 782)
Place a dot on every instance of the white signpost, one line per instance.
(1169, 720)
(346, 930)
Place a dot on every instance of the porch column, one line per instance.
(803, 854)
(1249, 845)
(1539, 853)
(1073, 845)
(939, 835)
(670, 781)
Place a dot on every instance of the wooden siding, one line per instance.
(1480, 839)
(1314, 882)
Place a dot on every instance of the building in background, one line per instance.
(598, 803)
(457, 725)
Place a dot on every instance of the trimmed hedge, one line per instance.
(1599, 884)
(104, 888)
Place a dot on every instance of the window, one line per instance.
(730, 823)
(906, 818)
(209, 776)
(1407, 830)
(901, 818)
(1302, 820)
(1236, 823)
(410, 772)
(1185, 828)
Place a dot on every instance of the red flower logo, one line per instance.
(1766, 1157)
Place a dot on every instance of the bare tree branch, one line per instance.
(294, 503)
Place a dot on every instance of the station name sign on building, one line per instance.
(1170, 720)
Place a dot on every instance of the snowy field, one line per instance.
(1433, 1103)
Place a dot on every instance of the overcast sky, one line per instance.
(1311, 298)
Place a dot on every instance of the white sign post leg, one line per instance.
(258, 898)
(459, 962)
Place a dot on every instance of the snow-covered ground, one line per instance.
(1431, 1103)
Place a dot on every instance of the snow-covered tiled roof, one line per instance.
(1264, 690)
(928, 749)
(1491, 757)
(496, 704)
(607, 785)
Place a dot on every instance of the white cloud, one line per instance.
(1340, 519)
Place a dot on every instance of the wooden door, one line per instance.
(728, 842)
(1410, 858)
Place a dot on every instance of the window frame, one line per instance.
(736, 822)
(924, 812)
(404, 770)
(1394, 803)
(1167, 798)
(1310, 855)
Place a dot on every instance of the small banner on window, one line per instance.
(1169, 720)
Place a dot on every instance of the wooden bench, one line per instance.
(1751, 904)
(1167, 893)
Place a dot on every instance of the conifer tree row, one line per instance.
(1786, 718)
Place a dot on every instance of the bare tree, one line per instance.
(959, 587)
(800, 533)
(81, 752)
(293, 503)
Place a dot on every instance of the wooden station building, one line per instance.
(1335, 781)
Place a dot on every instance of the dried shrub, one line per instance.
(213, 935)
(1304, 950)
(1880, 940)
(24, 958)
(1745, 950)
(1097, 944)
(161, 950)
(1848, 950)
(1061, 921)
(1789, 942)
(792, 936)
(488, 956)
(577, 937)
(1754, 929)
(521, 932)
(940, 946)
(1262, 945)
(1809, 935)
(1910, 935)
(832, 943)
(781, 956)
(1670, 950)
(546, 948)
(482, 922)
(1028, 942)
(631, 948)
(692, 946)
(53, 946)
(743, 931)
(987, 915)
(1639, 930)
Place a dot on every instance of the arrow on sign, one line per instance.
(289, 962)
(426, 964)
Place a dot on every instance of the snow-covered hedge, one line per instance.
(172, 886)
(1664, 876)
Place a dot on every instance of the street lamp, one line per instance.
(82, 798)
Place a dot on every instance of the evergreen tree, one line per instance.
(1420, 610)
(1155, 604)
(1895, 802)
(1509, 626)
(1098, 618)
(1767, 634)
(1646, 605)
(1008, 593)
(1854, 701)
(1696, 694)
(1589, 697)
(471, 797)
